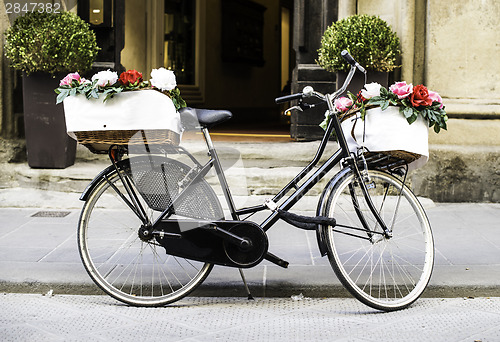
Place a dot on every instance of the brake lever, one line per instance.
(301, 107)
(288, 112)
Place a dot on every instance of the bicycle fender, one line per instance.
(107, 171)
(85, 194)
(320, 233)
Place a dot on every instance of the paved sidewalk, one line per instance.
(25, 317)
(38, 253)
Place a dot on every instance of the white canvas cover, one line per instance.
(141, 110)
(386, 131)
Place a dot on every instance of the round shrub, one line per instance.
(50, 42)
(369, 39)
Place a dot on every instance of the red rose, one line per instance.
(420, 96)
(360, 98)
(130, 78)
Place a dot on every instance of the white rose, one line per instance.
(105, 78)
(371, 90)
(163, 79)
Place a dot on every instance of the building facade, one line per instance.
(241, 54)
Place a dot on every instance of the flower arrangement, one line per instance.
(411, 100)
(108, 83)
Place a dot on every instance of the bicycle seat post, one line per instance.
(220, 173)
(225, 189)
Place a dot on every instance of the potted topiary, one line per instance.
(45, 46)
(369, 40)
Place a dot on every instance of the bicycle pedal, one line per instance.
(276, 260)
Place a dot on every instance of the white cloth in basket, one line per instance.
(388, 130)
(141, 110)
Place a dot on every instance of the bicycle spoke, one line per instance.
(132, 270)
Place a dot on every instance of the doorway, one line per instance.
(277, 127)
(188, 38)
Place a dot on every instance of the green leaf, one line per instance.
(407, 112)
(62, 95)
(108, 96)
(92, 94)
(412, 118)
(384, 92)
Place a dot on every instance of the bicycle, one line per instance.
(152, 228)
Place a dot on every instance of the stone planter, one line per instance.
(47, 143)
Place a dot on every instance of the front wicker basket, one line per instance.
(406, 156)
(100, 141)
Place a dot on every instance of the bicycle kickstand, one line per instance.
(250, 297)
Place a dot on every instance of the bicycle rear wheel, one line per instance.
(386, 273)
(132, 269)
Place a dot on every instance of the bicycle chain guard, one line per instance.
(217, 242)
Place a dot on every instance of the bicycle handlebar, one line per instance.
(348, 58)
(288, 98)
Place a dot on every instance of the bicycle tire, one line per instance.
(133, 271)
(385, 273)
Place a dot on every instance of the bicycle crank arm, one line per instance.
(243, 243)
(276, 260)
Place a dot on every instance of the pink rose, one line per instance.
(343, 103)
(69, 79)
(401, 89)
(436, 98)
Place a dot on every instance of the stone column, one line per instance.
(347, 8)
(7, 122)
(462, 56)
(407, 19)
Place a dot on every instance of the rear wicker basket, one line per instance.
(161, 136)
(128, 118)
(100, 141)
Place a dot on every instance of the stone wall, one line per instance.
(462, 53)
(451, 46)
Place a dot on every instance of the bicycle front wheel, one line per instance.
(385, 272)
(124, 264)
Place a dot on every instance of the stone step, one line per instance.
(454, 173)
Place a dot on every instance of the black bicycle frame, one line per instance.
(300, 191)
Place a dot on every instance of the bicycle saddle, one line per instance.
(190, 117)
